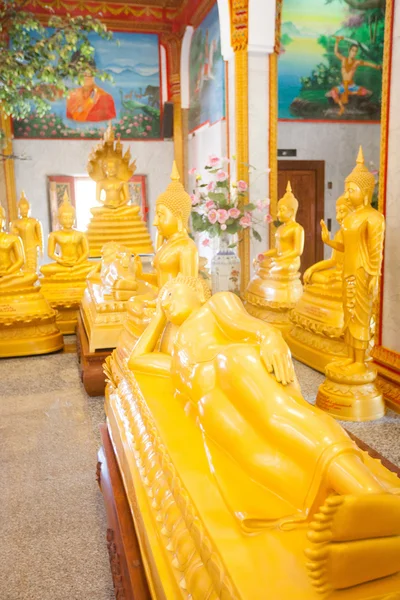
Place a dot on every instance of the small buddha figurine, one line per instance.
(316, 337)
(276, 286)
(220, 403)
(64, 280)
(27, 323)
(31, 233)
(115, 220)
(349, 392)
(109, 285)
(176, 253)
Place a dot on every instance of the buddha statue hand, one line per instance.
(308, 274)
(326, 238)
(276, 356)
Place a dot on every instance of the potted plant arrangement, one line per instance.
(221, 209)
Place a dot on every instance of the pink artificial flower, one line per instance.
(213, 160)
(242, 185)
(268, 218)
(223, 226)
(260, 257)
(234, 212)
(192, 171)
(206, 242)
(221, 176)
(225, 159)
(210, 186)
(195, 199)
(222, 215)
(209, 205)
(212, 216)
(245, 221)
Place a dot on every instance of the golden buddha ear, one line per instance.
(180, 222)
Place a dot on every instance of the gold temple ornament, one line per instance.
(218, 401)
(64, 280)
(30, 231)
(349, 391)
(276, 287)
(316, 336)
(115, 220)
(27, 322)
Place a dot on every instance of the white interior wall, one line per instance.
(60, 157)
(335, 143)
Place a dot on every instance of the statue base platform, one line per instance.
(65, 299)
(123, 226)
(387, 363)
(315, 337)
(194, 545)
(277, 318)
(351, 397)
(28, 324)
(272, 300)
(90, 363)
(126, 559)
(103, 318)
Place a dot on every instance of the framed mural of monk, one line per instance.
(131, 100)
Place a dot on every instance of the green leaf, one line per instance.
(256, 235)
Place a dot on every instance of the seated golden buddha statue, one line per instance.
(176, 253)
(27, 322)
(219, 403)
(31, 233)
(316, 337)
(115, 220)
(349, 391)
(64, 280)
(276, 286)
(109, 285)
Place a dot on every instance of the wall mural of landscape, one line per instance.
(331, 60)
(131, 102)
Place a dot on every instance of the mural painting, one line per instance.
(206, 73)
(331, 60)
(131, 101)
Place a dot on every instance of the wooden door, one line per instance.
(307, 180)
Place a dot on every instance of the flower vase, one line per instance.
(225, 268)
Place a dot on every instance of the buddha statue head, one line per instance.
(110, 167)
(2, 218)
(66, 213)
(343, 208)
(173, 207)
(181, 296)
(360, 184)
(287, 206)
(23, 206)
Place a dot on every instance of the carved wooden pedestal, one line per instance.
(127, 569)
(90, 363)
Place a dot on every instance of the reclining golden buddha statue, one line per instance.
(115, 220)
(64, 280)
(215, 442)
(27, 322)
(316, 336)
(276, 286)
(31, 233)
(109, 285)
(176, 253)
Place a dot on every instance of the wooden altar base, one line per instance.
(126, 563)
(90, 363)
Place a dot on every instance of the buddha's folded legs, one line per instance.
(16, 281)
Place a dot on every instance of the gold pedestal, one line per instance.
(316, 335)
(125, 228)
(272, 300)
(351, 397)
(64, 298)
(103, 318)
(27, 325)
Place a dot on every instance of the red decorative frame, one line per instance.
(138, 188)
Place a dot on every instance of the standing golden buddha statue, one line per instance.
(349, 391)
(287, 490)
(64, 280)
(316, 337)
(27, 322)
(31, 233)
(276, 286)
(176, 253)
(115, 220)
